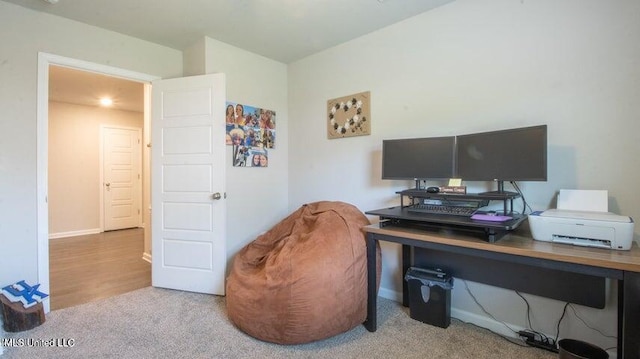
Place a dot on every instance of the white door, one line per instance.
(187, 191)
(122, 176)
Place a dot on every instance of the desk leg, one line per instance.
(372, 295)
(628, 314)
(406, 263)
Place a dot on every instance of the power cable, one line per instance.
(484, 310)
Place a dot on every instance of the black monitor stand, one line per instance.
(500, 191)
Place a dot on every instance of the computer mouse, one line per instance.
(433, 189)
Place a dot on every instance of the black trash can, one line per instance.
(577, 349)
(429, 296)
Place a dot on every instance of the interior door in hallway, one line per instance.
(188, 183)
(122, 171)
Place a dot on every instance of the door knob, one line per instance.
(107, 184)
(216, 196)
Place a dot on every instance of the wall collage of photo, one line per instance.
(251, 131)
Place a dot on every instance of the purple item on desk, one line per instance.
(490, 217)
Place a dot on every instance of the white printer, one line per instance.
(582, 219)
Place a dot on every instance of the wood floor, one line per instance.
(86, 268)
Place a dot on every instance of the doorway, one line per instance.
(44, 63)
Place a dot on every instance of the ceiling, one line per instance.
(87, 88)
(282, 30)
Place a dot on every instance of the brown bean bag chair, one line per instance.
(305, 279)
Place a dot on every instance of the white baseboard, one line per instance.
(146, 256)
(74, 233)
(390, 294)
(487, 323)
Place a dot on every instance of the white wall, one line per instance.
(257, 198)
(472, 66)
(74, 164)
(24, 33)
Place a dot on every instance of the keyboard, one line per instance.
(442, 209)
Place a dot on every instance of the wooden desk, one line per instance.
(623, 266)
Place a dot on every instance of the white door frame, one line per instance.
(42, 143)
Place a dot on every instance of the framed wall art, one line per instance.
(349, 116)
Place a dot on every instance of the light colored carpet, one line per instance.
(161, 323)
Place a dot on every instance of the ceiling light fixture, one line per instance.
(106, 101)
(52, 2)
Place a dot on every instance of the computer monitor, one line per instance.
(518, 154)
(418, 158)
